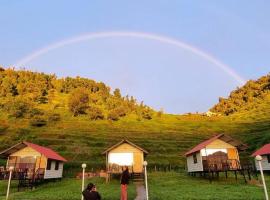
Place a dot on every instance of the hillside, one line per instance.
(249, 97)
(82, 138)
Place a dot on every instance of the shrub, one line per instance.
(147, 114)
(18, 107)
(38, 121)
(35, 111)
(95, 113)
(113, 115)
(42, 100)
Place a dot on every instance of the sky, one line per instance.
(160, 52)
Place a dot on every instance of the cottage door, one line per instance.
(138, 161)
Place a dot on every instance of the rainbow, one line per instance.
(163, 39)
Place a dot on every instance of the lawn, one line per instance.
(162, 186)
(67, 189)
(179, 186)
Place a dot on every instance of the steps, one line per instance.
(138, 177)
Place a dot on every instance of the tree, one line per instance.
(18, 107)
(117, 93)
(78, 101)
(113, 115)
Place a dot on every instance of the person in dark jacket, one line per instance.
(90, 193)
(124, 183)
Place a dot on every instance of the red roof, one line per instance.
(262, 151)
(49, 153)
(203, 145)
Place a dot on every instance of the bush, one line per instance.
(18, 107)
(147, 114)
(38, 121)
(42, 100)
(95, 113)
(35, 111)
(113, 115)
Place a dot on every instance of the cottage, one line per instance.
(265, 153)
(125, 153)
(36, 160)
(217, 154)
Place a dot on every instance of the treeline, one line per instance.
(248, 97)
(23, 94)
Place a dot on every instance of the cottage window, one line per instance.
(268, 158)
(56, 165)
(49, 164)
(195, 158)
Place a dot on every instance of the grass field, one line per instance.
(67, 189)
(162, 186)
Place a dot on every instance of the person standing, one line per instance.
(124, 183)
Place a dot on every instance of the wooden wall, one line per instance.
(138, 156)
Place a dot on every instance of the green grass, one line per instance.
(67, 189)
(162, 186)
(179, 186)
(166, 138)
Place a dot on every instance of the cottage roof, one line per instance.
(225, 138)
(47, 152)
(122, 142)
(263, 150)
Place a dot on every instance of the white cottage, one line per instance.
(38, 161)
(219, 153)
(265, 153)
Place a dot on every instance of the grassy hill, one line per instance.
(167, 137)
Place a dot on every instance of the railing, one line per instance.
(114, 168)
(230, 164)
(22, 166)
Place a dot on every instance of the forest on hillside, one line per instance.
(248, 97)
(36, 96)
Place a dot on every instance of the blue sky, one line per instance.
(236, 33)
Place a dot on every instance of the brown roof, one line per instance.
(239, 145)
(122, 142)
(47, 152)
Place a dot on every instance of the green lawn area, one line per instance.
(178, 186)
(67, 189)
(162, 186)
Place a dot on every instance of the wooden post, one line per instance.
(235, 174)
